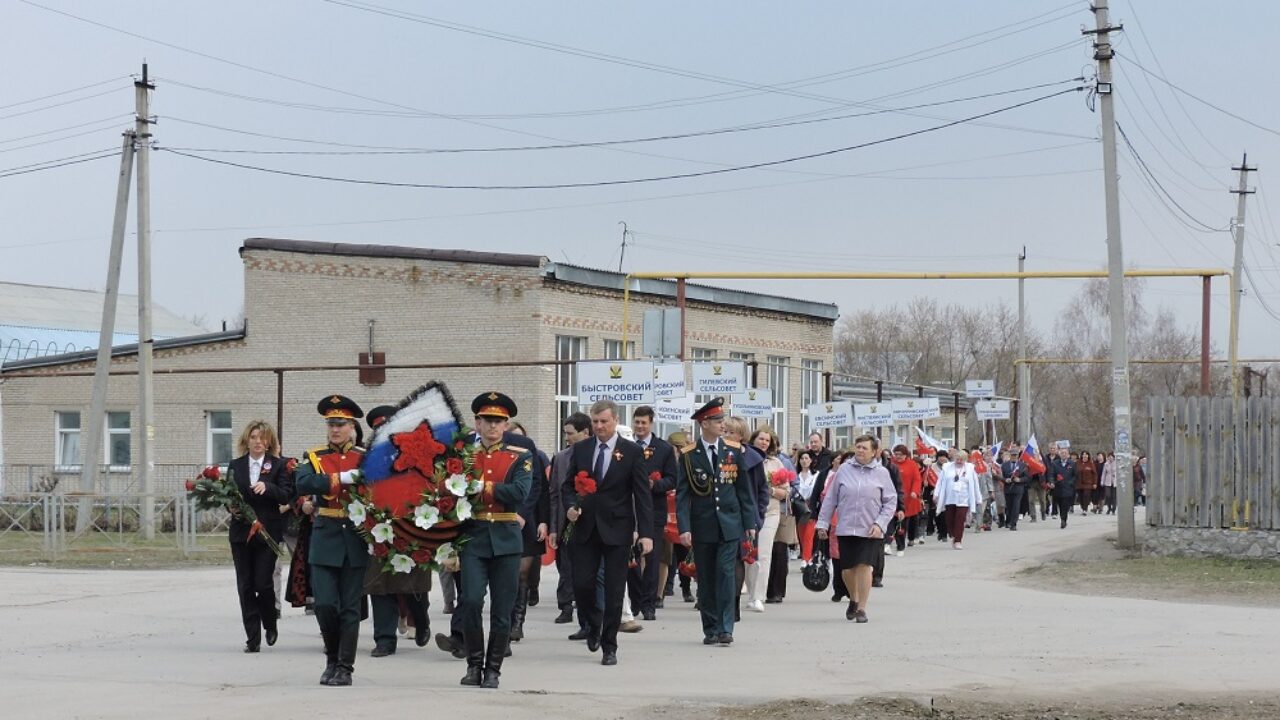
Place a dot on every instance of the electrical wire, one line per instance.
(1151, 176)
(65, 92)
(601, 143)
(1202, 101)
(633, 181)
(59, 104)
(68, 127)
(60, 162)
(57, 139)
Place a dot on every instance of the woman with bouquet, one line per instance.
(778, 479)
(260, 475)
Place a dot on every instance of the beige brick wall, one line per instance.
(314, 310)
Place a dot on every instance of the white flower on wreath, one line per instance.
(463, 509)
(356, 511)
(402, 563)
(383, 532)
(446, 552)
(426, 516)
(457, 484)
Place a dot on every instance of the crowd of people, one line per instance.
(723, 508)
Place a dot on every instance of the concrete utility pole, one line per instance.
(91, 429)
(146, 398)
(1237, 268)
(1103, 52)
(1023, 430)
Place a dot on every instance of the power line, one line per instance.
(61, 162)
(59, 104)
(65, 92)
(368, 150)
(68, 127)
(632, 181)
(57, 139)
(1151, 176)
(1201, 100)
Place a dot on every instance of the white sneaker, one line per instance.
(901, 553)
(756, 606)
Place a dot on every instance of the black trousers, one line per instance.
(255, 566)
(587, 559)
(338, 592)
(1064, 505)
(777, 586)
(564, 586)
(649, 574)
(498, 576)
(1013, 493)
(386, 616)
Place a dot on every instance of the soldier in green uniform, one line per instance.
(490, 556)
(714, 509)
(337, 555)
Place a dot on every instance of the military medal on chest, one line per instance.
(729, 468)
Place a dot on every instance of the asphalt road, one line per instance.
(128, 644)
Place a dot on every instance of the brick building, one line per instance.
(315, 305)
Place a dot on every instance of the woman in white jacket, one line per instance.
(957, 495)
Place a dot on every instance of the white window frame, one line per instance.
(810, 390)
(60, 433)
(108, 433)
(702, 355)
(568, 347)
(777, 372)
(211, 431)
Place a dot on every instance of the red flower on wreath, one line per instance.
(400, 543)
(422, 556)
(459, 445)
(418, 449)
(446, 503)
(583, 484)
(453, 466)
(369, 522)
(379, 550)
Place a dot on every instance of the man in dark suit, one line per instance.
(606, 523)
(715, 509)
(660, 471)
(265, 484)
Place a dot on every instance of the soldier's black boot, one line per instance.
(330, 654)
(499, 645)
(475, 658)
(518, 614)
(346, 656)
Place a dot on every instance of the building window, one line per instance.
(701, 355)
(220, 449)
(613, 351)
(810, 388)
(118, 431)
(568, 348)
(68, 441)
(777, 372)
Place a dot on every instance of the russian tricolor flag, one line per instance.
(1030, 457)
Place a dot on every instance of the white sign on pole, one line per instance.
(831, 415)
(979, 388)
(915, 409)
(753, 403)
(668, 381)
(719, 377)
(626, 382)
(992, 409)
(677, 410)
(873, 414)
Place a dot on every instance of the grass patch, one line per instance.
(1250, 582)
(114, 550)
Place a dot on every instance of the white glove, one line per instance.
(348, 477)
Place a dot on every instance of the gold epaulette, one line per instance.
(689, 448)
(515, 449)
(320, 450)
(732, 444)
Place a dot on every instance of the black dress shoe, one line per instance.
(877, 583)
(272, 636)
(341, 677)
(490, 680)
(851, 611)
(382, 651)
(251, 647)
(711, 640)
(725, 639)
(451, 646)
(659, 604)
(593, 642)
(472, 677)
(687, 596)
(327, 675)
(422, 636)
(580, 635)
(609, 658)
(532, 600)
(648, 615)
(565, 616)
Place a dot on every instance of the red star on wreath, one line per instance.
(418, 449)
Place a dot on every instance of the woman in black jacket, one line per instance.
(265, 484)
(1062, 473)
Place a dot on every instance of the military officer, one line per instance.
(714, 510)
(491, 554)
(337, 555)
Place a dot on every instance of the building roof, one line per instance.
(121, 350)
(42, 320)
(392, 251)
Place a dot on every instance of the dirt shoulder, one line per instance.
(890, 708)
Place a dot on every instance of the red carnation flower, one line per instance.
(459, 445)
(369, 522)
(290, 465)
(379, 550)
(749, 552)
(446, 503)
(687, 569)
(453, 466)
(422, 556)
(583, 484)
(655, 476)
(400, 543)
(213, 472)
(191, 485)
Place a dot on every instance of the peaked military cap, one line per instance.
(339, 406)
(494, 404)
(379, 415)
(712, 410)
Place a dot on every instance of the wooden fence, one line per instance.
(1214, 466)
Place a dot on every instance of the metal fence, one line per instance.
(167, 479)
(1214, 463)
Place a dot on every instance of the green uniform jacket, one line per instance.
(334, 541)
(729, 510)
(491, 539)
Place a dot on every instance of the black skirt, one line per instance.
(857, 550)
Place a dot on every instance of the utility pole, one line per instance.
(622, 256)
(92, 427)
(1237, 268)
(1103, 53)
(146, 398)
(1024, 370)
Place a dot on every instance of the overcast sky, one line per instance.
(413, 75)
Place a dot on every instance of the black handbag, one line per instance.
(799, 507)
(816, 575)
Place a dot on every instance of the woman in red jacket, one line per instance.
(912, 496)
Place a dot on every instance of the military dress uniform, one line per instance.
(490, 555)
(715, 504)
(338, 555)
